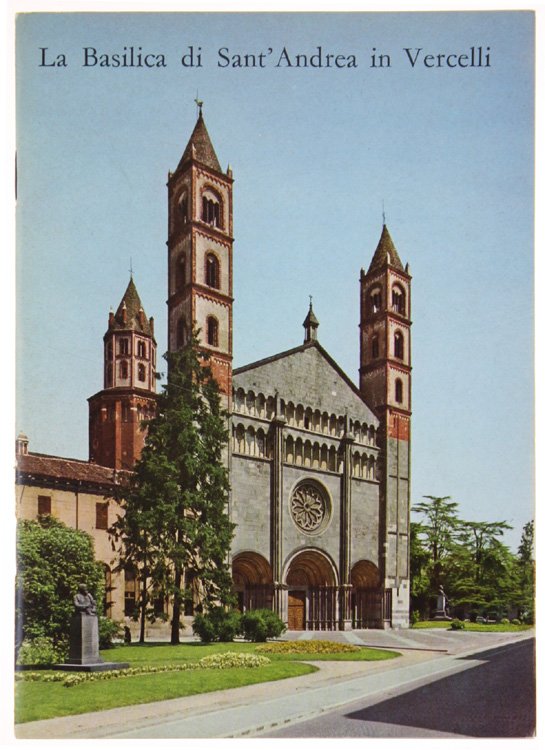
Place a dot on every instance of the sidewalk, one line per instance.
(246, 710)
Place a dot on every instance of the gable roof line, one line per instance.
(296, 350)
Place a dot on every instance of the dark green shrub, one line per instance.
(41, 651)
(457, 625)
(217, 624)
(260, 624)
(515, 621)
(415, 617)
(107, 631)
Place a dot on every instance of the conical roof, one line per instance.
(200, 147)
(132, 319)
(385, 253)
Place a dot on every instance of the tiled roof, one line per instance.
(204, 150)
(131, 301)
(385, 253)
(58, 470)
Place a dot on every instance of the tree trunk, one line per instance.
(176, 608)
(143, 607)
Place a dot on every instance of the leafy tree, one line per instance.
(437, 534)
(526, 572)
(52, 561)
(175, 517)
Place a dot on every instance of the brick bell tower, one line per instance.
(385, 384)
(200, 255)
(116, 437)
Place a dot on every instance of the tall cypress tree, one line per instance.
(176, 512)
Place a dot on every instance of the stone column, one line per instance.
(277, 428)
(345, 615)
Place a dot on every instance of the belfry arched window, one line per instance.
(180, 272)
(181, 332)
(375, 300)
(212, 209)
(141, 373)
(183, 205)
(123, 369)
(212, 331)
(212, 271)
(399, 391)
(398, 300)
(399, 345)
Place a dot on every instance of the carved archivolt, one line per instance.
(310, 508)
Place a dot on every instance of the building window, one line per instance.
(375, 301)
(125, 412)
(180, 272)
(141, 373)
(123, 369)
(211, 210)
(212, 271)
(212, 331)
(130, 592)
(44, 505)
(142, 349)
(398, 300)
(124, 346)
(374, 347)
(399, 391)
(101, 511)
(398, 345)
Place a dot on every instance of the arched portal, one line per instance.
(312, 592)
(371, 604)
(253, 582)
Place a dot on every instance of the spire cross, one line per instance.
(383, 214)
(130, 269)
(310, 298)
(199, 104)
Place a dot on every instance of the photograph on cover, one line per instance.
(319, 504)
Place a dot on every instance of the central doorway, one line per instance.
(296, 610)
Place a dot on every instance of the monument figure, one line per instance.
(441, 612)
(83, 653)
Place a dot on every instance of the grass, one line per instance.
(474, 627)
(43, 700)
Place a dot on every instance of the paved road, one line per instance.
(496, 698)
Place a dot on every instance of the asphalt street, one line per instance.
(496, 698)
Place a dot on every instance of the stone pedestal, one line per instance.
(83, 654)
(440, 613)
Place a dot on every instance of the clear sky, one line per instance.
(314, 152)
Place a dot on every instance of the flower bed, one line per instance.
(306, 647)
(228, 660)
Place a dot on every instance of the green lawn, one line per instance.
(44, 700)
(474, 626)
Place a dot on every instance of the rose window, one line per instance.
(309, 508)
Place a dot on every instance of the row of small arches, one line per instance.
(300, 417)
(251, 442)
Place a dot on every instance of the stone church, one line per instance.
(319, 465)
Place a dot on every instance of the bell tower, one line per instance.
(385, 384)
(116, 437)
(200, 255)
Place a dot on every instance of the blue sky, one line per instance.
(314, 152)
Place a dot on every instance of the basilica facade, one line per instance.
(319, 465)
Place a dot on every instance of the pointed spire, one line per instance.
(311, 325)
(386, 253)
(130, 314)
(200, 148)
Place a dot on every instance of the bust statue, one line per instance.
(84, 602)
